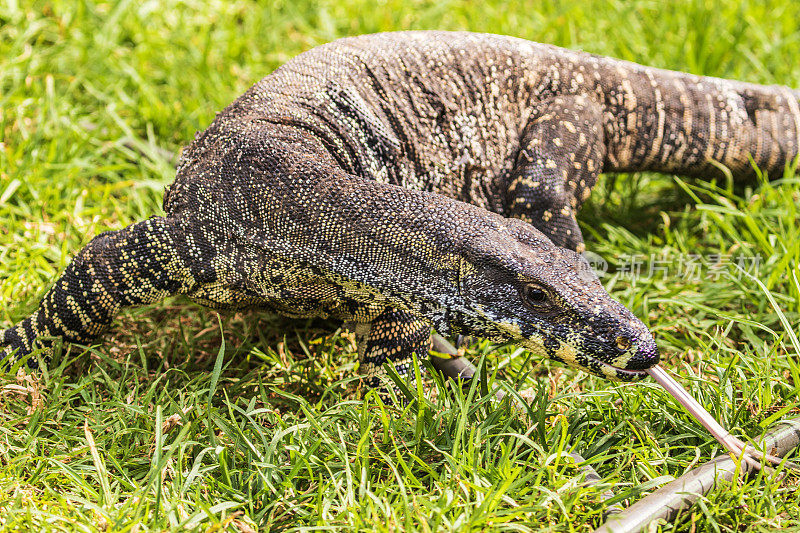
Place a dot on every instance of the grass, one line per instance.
(180, 420)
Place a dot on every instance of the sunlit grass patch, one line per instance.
(176, 421)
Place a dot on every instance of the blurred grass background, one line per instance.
(169, 425)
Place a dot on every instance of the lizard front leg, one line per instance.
(140, 264)
(394, 336)
(561, 154)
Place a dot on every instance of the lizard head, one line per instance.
(519, 287)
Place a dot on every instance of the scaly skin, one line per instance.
(412, 179)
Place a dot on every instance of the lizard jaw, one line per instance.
(569, 355)
(605, 370)
(620, 374)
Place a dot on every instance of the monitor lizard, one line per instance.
(410, 180)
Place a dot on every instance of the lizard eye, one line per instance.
(535, 297)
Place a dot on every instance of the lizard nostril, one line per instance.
(645, 356)
(623, 343)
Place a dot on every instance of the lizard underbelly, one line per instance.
(293, 291)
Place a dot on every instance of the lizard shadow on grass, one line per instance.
(261, 349)
(633, 202)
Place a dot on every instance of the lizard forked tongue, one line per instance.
(735, 446)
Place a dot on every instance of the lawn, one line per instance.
(183, 419)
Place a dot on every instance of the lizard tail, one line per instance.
(684, 124)
(137, 265)
(771, 130)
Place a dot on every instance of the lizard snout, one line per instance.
(642, 353)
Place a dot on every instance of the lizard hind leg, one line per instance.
(140, 264)
(394, 336)
(561, 154)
